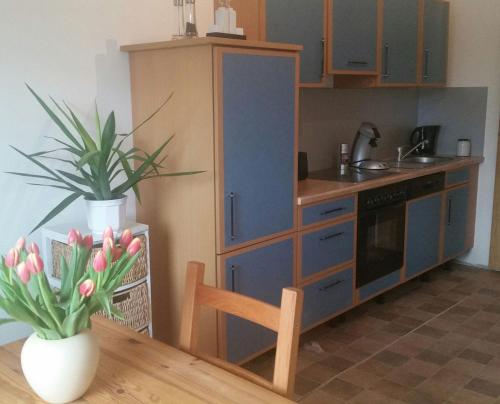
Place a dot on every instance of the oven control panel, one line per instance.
(383, 196)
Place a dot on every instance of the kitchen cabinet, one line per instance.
(257, 134)
(325, 298)
(353, 37)
(260, 272)
(399, 42)
(423, 234)
(300, 22)
(435, 42)
(233, 110)
(455, 221)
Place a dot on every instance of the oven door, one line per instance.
(380, 249)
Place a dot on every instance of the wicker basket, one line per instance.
(134, 304)
(137, 272)
(144, 331)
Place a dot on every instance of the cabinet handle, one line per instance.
(357, 62)
(386, 60)
(323, 42)
(449, 212)
(233, 277)
(232, 197)
(330, 211)
(330, 236)
(426, 63)
(330, 285)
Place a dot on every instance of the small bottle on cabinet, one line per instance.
(344, 156)
(190, 16)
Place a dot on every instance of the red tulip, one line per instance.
(23, 273)
(88, 242)
(117, 253)
(21, 242)
(87, 288)
(108, 232)
(12, 258)
(126, 238)
(100, 264)
(74, 237)
(108, 245)
(34, 263)
(33, 248)
(134, 247)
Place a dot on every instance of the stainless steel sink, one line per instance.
(428, 159)
(419, 161)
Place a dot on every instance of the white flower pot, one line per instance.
(60, 371)
(101, 214)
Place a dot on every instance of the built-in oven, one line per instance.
(381, 232)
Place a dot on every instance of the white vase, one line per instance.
(101, 214)
(60, 371)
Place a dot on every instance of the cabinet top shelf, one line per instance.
(212, 41)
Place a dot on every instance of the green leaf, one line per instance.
(152, 115)
(43, 177)
(88, 157)
(136, 177)
(55, 118)
(98, 126)
(117, 313)
(58, 209)
(6, 321)
(72, 324)
(87, 139)
(74, 178)
(108, 137)
(130, 173)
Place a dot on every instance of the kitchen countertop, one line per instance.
(311, 190)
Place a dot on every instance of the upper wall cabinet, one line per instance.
(435, 42)
(399, 42)
(300, 22)
(352, 32)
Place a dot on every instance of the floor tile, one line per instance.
(342, 389)
(390, 389)
(430, 331)
(434, 357)
(405, 378)
(321, 397)
(360, 377)
(391, 358)
(304, 386)
(483, 386)
(476, 356)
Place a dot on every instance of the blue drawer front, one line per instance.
(380, 284)
(327, 211)
(327, 248)
(326, 297)
(457, 177)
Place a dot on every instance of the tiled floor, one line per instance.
(431, 341)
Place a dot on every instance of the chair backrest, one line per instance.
(285, 321)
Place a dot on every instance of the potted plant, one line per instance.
(96, 164)
(60, 358)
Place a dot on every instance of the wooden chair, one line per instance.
(285, 321)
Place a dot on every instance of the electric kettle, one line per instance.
(429, 133)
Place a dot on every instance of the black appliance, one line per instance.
(427, 185)
(381, 232)
(422, 133)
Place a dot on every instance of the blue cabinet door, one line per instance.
(455, 221)
(435, 52)
(258, 130)
(423, 234)
(399, 43)
(300, 22)
(354, 35)
(260, 273)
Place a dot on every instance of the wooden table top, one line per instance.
(134, 368)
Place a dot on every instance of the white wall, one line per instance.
(70, 50)
(474, 61)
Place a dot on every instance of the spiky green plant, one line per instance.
(95, 162)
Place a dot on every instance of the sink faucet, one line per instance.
(402, 156)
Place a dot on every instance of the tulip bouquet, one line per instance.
(86, 287)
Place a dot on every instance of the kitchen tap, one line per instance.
(402, 156)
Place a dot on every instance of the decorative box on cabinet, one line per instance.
(234, 112)
(132, 297)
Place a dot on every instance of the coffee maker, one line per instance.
(422, 133)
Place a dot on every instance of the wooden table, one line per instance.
(137, 369)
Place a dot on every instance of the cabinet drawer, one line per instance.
(326, 248)
(457, 176)
(324, 298)
(373, 288)
(327, 210)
